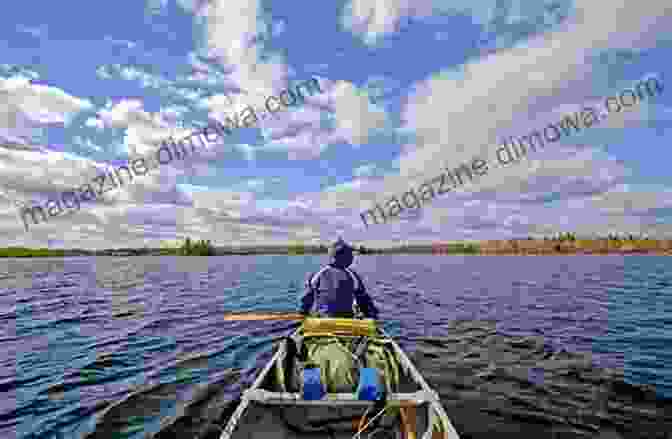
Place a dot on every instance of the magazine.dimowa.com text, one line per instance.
(165, 154)
(512, 150)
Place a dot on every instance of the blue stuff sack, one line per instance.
(312, 384)
(369, 388)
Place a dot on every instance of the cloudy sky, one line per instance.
(411, 87)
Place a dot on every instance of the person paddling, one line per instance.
(331, 291)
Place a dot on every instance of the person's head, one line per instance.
(341, 254)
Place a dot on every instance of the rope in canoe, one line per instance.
(361, 429)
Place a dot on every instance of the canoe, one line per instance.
(411, 409)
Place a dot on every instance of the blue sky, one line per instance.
(409, 88)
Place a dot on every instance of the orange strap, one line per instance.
(408, 418)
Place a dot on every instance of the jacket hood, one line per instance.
(341, 254)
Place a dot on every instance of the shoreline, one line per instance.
(563, 244)
(524, 247)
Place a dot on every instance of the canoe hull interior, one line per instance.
(270, 410)
(261, 421)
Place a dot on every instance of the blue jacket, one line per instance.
(335, 289)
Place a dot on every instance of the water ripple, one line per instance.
(77, 334)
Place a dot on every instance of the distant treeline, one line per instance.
(571, 243)
(196, 248)
(24, 252)
(563, 243)
(434, 248)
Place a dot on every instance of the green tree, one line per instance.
(196, 248)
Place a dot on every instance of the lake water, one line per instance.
(78, 332)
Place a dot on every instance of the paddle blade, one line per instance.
(263, 316)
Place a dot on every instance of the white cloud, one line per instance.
(86, 143)
(356, 118)
(374, 19)
(364, 171)
(189, 92)
(624, 201)
(513, 85)
(104, 72)
(94, 122)
(14, 70)
(303, 134)
(536, 82)
(25, 108)
(132, 73)
(230, 27)
(144, 131)
(219, 103)
(248, 151)
(124, 113)
(39, 103)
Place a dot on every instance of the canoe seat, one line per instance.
(337, 326)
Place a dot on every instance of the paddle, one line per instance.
(264, 316)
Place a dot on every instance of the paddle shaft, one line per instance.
(264, 316)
